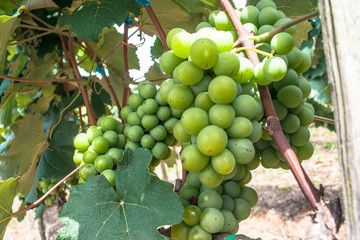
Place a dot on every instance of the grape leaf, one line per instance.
(24, 153)
(98, 101)
(8, 24)
(7, 195)
(142, 203)
(88, 20)
(36, 4)
(56, 161)
(155, 73)
(157, 49)
(301, 32)
(190, 6)
(63, 3)
(290, 7)
(170, 16)
(7, 8)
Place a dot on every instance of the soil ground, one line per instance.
(281, 212)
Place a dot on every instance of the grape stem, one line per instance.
(158, 27)
(46, 194)
(311, 193)
(324, 119)
(263, 37)
(253, 49)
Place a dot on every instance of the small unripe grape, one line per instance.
(194, 119)
(171, 34)
(103, 162)
(180, 231)
(242, 209)
(222, 89)
(211, 220)
(78, 157)
(116, 154)
(147, 89)
(249, 14)
(268, 16)
(125, 112)
(209, 198)
(90, 156)
(223, 163)
(181, 44)
(193, 159)
(188, 73)
(290, 96)
(180, 97)
(265, 3)
(228, 64)
(109, 174)
(212, 140)
(275, 69)
(100, 145)
(135, 100)
(111, 137)
(282, 43)
(160, 150)
(165, 88)
(149, 121)
(242, 149)
(204, 53)
(158, 133)
(133, 119)
(86, 170)
(93, 132)
(81, 142)
(180, 132)
(203, 101)
(169, 61)
(135, 133)
(150, 106)
(209, 177)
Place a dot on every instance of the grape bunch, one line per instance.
(221, 126)
(100, 149)
(45, 185)
(150, 122)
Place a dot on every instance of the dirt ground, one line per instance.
(281, 213)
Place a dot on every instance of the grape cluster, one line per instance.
(150, 122)
(45, 185)
(221, 126)
(100, 149)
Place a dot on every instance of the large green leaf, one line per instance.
(8, 24)
(88, 21)
(290, 7)
(141, 204)
(24, 152)
(7, 195)
(7, 8)
(170, 16)
(301, 32)
(56, 161)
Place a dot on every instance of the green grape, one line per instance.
(125, 112)
(291, 78)
(158, 133)
(227, 202)
(265, 3)
(180, 231)
(165, 88)
(121, 141)
(270, 158)
(186, 192)
(290, 123)
(93, 132)
(245, 106)
(306, 116)
(246, 178)
(309, 106)
(281, 110)
(171, 35)
(170, 123)
(192, 159)
(290, 96)
(202, 25)
(256, 132)
(222, 22)
(198, 233)
(160, 150)
(180, 133)
(204, 32)
(304, 86)
(223, 40)
(135, 133)
(283, 165)
(169, 61)
(150, 106)
(268, 16)
(228, 64)
(126, 129)
(147, 141)
(180, 97)
(265, 47)
(275, 69)
(231, 189)
(133, 119)
(211, 220)
(140, 111)
(212, 140)
(163, 113)
(238, 88)
(209, 177)
(188, 73)
(116, 154)
(181, 44)
(294, 58)
(250, 28)
(90, 156)
(44, 183)
(135, 100)
(242, 209)
(223, 163)
(194, 120)
(281, 14)
(242, 149)
(253, 164)
(103, 162)
(221, 115)
(297, 109)
(249, 195)
(222, 90)
(111, 137)
(212, 16)
(99, 121)
(264, 29)
(229, 221)
(209, 198)
(160, 100)
(240, 128)
(132, 145)
(192, 215)
(203, 101)
(282, 43)
(305, 152)
(192, 179)
(218, 188)
(232, 173)
(119, 128)
(81, 142)
(300, 137)
(78, 157)
(201, 86)
(283, 21)
(204, 53)
(259, 76)
(100, 145)
(149, 121)
(246, 71)
(109, 174)
(147, 89)
(249, 14)
(305, 64)
(266, 136)
(176, 113)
